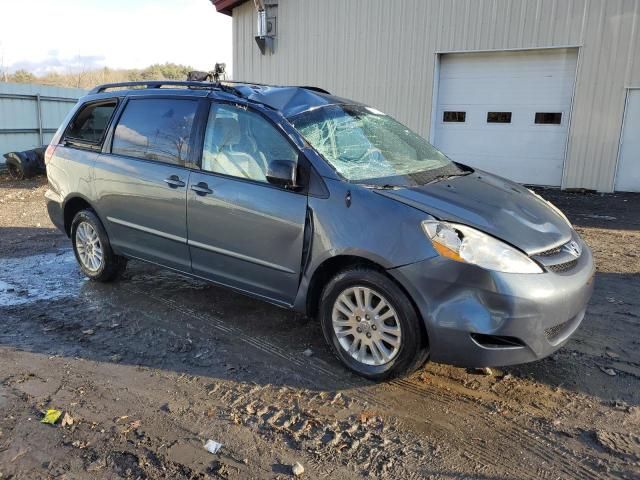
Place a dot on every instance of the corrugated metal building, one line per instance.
(30, 114)
(543, 91)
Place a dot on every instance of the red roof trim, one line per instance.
(226, 6)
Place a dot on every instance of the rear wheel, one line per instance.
(93, 250)
(371, 324)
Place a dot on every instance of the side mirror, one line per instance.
(282, 173)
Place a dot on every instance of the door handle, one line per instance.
(174, 181)
(201, 188)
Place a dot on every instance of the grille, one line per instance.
(563, 267)
(555, 331)
(548, 253)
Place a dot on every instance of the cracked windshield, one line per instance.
(363, 144)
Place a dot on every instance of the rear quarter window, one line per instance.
(90, 123)
(156, 129)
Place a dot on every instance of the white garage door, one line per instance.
(507, 112)
(628, 176)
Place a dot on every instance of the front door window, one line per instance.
(241, 143)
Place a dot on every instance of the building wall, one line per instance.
(384, 53)
(19, 114)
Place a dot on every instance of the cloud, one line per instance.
(44, 36)
(56, 64)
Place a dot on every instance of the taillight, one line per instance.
(48, 153)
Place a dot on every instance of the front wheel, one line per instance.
(93, 250)
(372, 325)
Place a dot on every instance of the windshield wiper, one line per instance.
(386, 186)
(439, 178)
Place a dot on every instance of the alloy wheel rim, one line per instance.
(89, 247)
(366, 326)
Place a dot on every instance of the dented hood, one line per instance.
(491, 204)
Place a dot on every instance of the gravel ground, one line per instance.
(153, 366)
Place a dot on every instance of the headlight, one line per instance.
(467, 245)
(553, 207)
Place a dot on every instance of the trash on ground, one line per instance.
(308, 352)
(66, 420)
(51, 416)
(212, 446)
(609, 371)
(297, 469)
(597, 217)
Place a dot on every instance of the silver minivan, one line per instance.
(322, 205)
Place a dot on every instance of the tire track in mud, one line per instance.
(303, 420)
(559, 459)
(256, 342)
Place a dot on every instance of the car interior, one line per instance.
(231, 149)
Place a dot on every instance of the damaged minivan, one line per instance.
(322, 205)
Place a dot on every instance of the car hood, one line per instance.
(493, 205)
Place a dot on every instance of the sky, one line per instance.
(67, 35)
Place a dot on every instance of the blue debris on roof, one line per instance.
(289, 101)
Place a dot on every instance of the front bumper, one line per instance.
(477, 318)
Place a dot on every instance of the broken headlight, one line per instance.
(468, 245)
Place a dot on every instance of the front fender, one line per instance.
(356, 222)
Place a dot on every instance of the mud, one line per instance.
(153, 366)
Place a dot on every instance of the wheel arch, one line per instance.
(332, 266)
(71, 207)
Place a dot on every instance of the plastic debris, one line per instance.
(51, 416)
(609, 371)
(597, 217)
(212, 446)
(66, 420)
(308, 352)
(297, 469)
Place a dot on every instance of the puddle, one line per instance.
(30, 279)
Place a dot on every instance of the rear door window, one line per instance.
(156, 129)
(91, 122)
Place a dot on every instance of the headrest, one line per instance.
(226, 131)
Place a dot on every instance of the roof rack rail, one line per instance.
(155, 84)
(306, 87)
(315, 89)
(185, 83)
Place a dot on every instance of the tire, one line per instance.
(90, 242)
(394, 339)
(15, 171)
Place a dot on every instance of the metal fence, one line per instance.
(30, 114)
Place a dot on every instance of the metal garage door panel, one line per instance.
(522, 83)
(628, 176)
